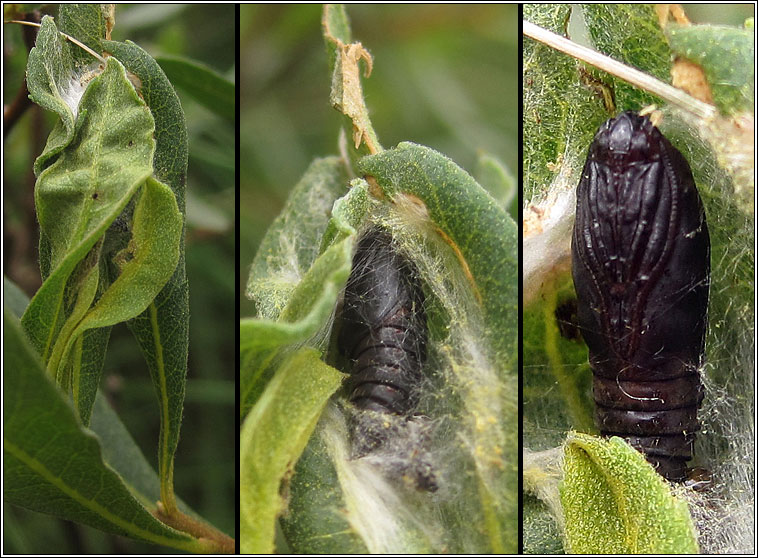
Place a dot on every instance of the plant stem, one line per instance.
(622, 71)
(69, 37)
(215, 541)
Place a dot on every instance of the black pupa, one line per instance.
(383, 331)
(641, 268)
(384, 336)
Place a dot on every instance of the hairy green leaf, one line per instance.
(170, 160)
(615, 502)
(454, 202)
(337, 24)
(295, 288)
(273, 437)
(293, 241)
(148, 263)
(110, 199)
(541, 534)
(630, 33)
(263, 343)
(54, 85)
(89, 24)
(561, 111)
(84, 287)
(727, 56)
(316, 521)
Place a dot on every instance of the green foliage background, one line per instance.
(205, 461)
(445, 76)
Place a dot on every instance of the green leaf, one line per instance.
(78, 196)
(54, 465)
(316, 522)
(337, 24)
(339, 504)
(202, 83)
(54, 85)
(541, 534)
(85, 189)
(84, 286)
(88, 359)
(267, 346)
(495, 177)
(307, 304)
(561, 112)
(348, 213)
(727, 56)
(273, 437)
(263, 343)
(89, 24)
(615, 502)
(293, 241)
(148, 263)
(162, 331)
(630, 33)
(14, 298)
(121, 453)
(478, 227)
(170, 162)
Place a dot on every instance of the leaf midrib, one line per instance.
(181, 543)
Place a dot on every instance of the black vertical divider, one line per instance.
(237, 266)
(519, 222)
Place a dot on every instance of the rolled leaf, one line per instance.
(162, 330)
(85, 190)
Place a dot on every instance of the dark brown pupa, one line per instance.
(383, 331)
(641, 268)
(384, 336)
